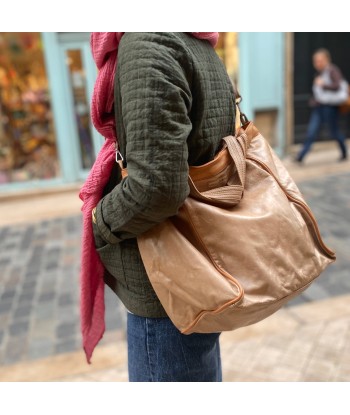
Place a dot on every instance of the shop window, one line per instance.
(81, 106)
(227, 49)
(27, 140)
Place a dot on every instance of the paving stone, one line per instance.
(301, 299)
(5, 306)
(43, 329)
(67, 346)
(8, 294)
(52, 265)
(32, 274)
(44, 310)
(10, 247)
(15, 274)
(22, 311)
(26, 297)
(315, 292)
(15, 351)
(4, 262)
(54, 251)
(18, 329)
(45, 297)
(3, 234)
(114, 323)
(28, 285)
(342, 373)
(11, 284)
(337, 289)
(27, 238)
(40, 347)
(68, 311)
(66, 330)
(65, 299)
(319, 371)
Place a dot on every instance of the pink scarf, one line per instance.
(104, 46)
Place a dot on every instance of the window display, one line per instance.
(81, 106)
(27, 140)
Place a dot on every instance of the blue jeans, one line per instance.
(329, 115)
(158, 352)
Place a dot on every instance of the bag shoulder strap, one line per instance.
(241, 118)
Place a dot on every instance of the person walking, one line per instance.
(329, 91)
(164, 101)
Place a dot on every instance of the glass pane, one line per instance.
(227, 49)
(81, 106)
(27, 139)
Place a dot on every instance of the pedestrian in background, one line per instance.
(330, 90)
(173, 103)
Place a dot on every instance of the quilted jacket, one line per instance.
(173, 103)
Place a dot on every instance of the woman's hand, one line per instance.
(319, 81)
(99, 242)
(93, 215)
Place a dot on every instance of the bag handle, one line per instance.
(228, 195)
(237, 146)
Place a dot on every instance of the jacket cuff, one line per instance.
(106, 234)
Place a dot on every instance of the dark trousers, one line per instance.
(158, 352)
(323, 114)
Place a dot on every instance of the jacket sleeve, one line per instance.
(336, 77)
(156, 100)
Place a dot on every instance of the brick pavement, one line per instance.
(39, 268)
(39, 279)
(329, 198)
(308, 343)
(39, 264)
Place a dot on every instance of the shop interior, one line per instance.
(27, 140)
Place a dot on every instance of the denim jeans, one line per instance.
(329, 115)
(158, 352)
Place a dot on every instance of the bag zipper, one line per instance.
(300, 203)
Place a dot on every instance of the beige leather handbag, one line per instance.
(242, 245)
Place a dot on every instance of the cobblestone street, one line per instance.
(329, 198)
(39, 314)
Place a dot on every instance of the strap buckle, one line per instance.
(119, 159)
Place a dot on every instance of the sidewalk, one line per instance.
(46, 205)
(304, 343)
(39, 325)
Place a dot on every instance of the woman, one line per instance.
(324, 109)
(173, 103)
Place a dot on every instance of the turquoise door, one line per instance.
(73, 73)
(262, 77)
(79, 77)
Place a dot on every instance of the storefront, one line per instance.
(46, 84)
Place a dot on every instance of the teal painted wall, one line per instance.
(261, 76)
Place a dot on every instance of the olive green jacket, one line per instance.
(174, 102)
